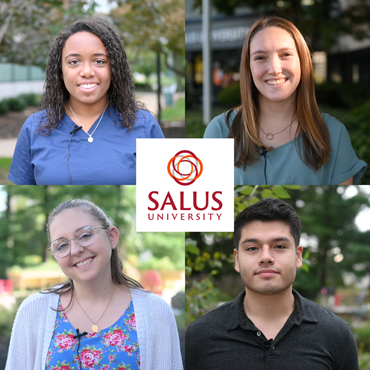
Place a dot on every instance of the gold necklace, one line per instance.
(95, 327)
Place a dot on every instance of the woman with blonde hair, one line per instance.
(98, 319)
(280, 135)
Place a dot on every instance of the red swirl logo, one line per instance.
(183, 159)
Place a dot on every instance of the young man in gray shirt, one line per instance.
(269, 326)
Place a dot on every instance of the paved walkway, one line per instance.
(11, 124)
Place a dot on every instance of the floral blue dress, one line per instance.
(114, 348)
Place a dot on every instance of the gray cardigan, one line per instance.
(34, 325)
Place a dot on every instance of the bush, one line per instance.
(346, 96)
(17, 104)
(6, 321)
(230, 96)
(32, 100)
(362, 336)
(4, 107)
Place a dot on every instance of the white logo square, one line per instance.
(185, 185)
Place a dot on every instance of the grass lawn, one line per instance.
(194, 127)
(175, 113)
(4, 169)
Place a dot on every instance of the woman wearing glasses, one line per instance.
(86, 130)
(99, 318)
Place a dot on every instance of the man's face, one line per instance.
(267, 258)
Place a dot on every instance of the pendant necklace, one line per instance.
(270, 136)
(90, 139)
(95, 327)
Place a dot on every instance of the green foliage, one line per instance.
(230, 96)
(32, 100)
(344, 96)
(158, 264)
(201, 298)
(167, 249)
(364, 361)
(362, 336)
(6, 321)
(17, 104)
(165, 34)
(29, 29)
(194, 122)
(4, 106)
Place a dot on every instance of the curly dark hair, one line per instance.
(121, 92)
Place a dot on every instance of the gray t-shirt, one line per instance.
(283, 165)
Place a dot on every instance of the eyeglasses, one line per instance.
(84, 236)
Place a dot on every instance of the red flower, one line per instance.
(90, 358)
(113, 339)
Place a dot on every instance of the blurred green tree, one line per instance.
(158, 26)
(27, 28)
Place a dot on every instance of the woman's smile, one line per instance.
(275, 65)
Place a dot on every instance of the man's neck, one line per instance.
(269, 308)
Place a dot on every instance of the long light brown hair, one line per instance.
(311, 125)
(118, 276)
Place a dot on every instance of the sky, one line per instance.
(104, 6)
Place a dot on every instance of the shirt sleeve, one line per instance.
(152, 128)
(21, 169)
(346, 163)
(348, 356)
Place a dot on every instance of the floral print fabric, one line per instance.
(114, 348)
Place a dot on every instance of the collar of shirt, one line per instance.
(302, 312)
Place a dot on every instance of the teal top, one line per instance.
(283, 165)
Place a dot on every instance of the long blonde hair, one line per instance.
(311, 125)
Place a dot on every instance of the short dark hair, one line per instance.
(268, 210)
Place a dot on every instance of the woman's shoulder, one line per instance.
(142, 115)
(150, 300)
(218, 128)
(333, 124)
(33, 120)
(145, 126)
(38, 302)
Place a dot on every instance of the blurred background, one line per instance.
(153, 35)
(336, 251)
(26, 266)
(337, 31)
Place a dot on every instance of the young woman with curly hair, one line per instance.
(280, 135)
(99, 318)
(86, 130)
